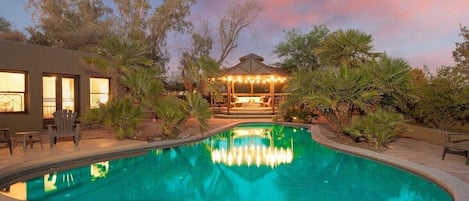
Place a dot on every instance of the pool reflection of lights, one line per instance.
(247, 155)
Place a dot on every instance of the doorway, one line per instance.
(58, 92)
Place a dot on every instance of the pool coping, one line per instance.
(458, 189)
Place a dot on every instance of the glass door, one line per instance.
(59, 92)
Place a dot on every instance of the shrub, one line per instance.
(121, 114)
(378, 128)
(170, 110)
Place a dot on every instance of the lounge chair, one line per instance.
(457, 143)
(64, 126)
(5, 138)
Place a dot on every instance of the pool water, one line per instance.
(249, 162)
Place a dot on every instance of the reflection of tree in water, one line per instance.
(182, 172)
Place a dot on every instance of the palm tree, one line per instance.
(198, 108)
(339, 92)
(171, 110)
(143, 85)
(351, 47)
(120, 56)
(392, 78)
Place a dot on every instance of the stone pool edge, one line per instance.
(458, 189)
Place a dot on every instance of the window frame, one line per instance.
(91, 91)
(25, 92)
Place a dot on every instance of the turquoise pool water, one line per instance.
(248, 162)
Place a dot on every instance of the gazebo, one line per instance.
(252, 84)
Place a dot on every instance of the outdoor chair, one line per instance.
(266, 102)
(457, 143)
(64, 126)
(5, 138)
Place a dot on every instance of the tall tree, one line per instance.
(137, 21)
(296, 49)
(237, 18)
(5, 25)
(169, 16)
(132, 18)
(350, 47)
(7, 32)
(461, 53)
(197, 65)
(73, 24)
(446, 98)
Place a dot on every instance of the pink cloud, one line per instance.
(421, 31)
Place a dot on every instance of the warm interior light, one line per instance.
(17, 191)
(99, 170)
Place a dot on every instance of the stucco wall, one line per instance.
(37, 60)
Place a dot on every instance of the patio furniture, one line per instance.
(6, 138)
(457, 143)
(30, 135)
(65, 126)
(266, 102)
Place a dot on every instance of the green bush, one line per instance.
(197, 107)
(121, 114)
(298, 113)
(170, 110)
(378, 128)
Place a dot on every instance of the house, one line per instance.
(35, 81)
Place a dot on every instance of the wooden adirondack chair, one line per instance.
(64, 126)
(457, 143)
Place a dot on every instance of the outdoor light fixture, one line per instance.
(256, 79)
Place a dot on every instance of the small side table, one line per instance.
(30, 135)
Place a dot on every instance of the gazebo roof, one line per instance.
(251, 64)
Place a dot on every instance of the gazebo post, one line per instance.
(272, 95)
(228, 105)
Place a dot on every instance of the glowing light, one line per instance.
(249, 154)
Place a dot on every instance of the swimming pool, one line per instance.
(248, 162)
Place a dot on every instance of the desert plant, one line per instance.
(378, 128)
(170, 110)
(197, 107)
(339, 92)
(121, 114)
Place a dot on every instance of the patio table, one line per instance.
(30, 135)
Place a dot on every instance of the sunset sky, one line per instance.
(423, 32)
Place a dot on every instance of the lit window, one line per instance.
(99, 92)
(12, 92)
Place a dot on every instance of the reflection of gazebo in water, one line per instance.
(250, 145)
(253, 85)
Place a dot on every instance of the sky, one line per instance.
(422, 32)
